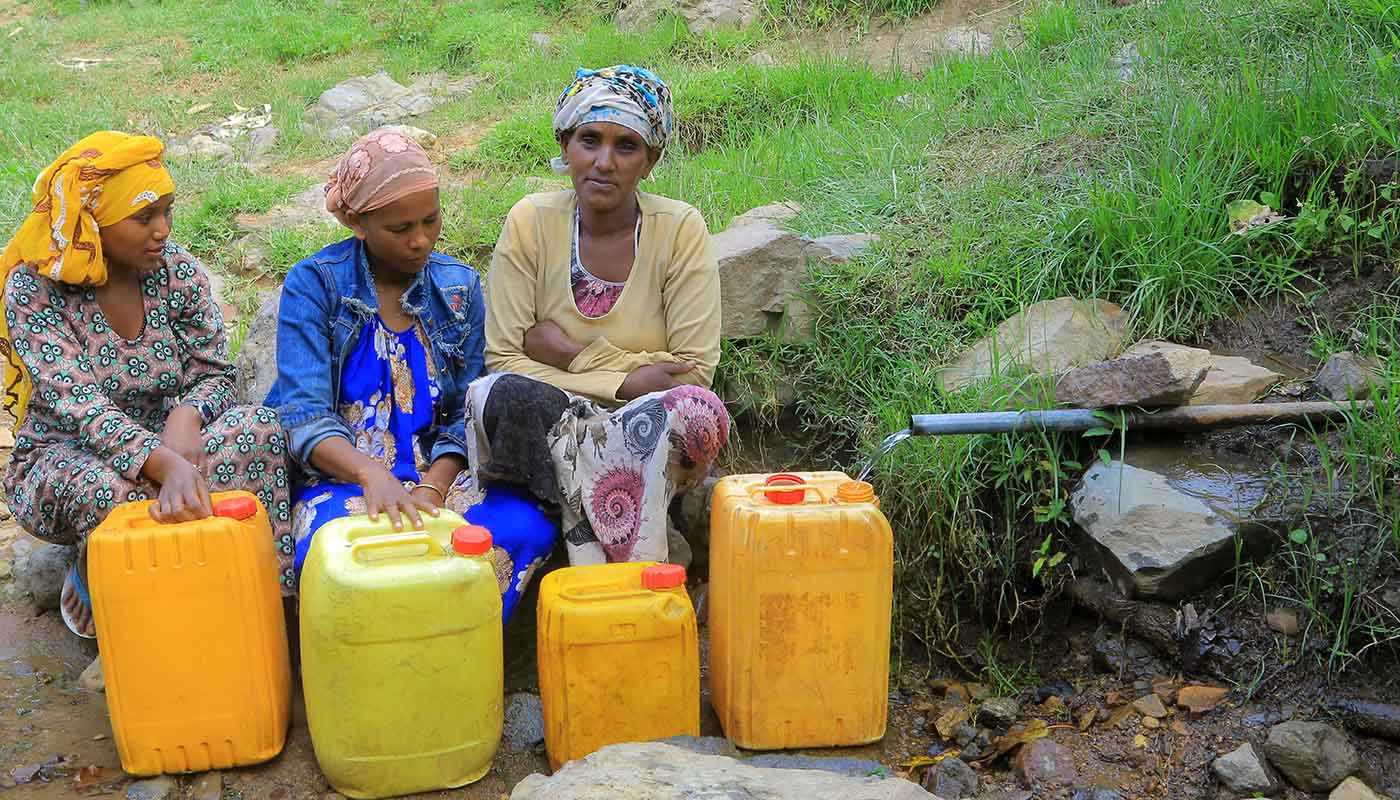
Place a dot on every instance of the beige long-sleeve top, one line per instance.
(669, 310)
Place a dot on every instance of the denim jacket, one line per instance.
(326, 301)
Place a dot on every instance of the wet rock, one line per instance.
(1152, 381)
(1044, 764)
(952, 779)
(1347, 376)
(762, 268)
(1050, 338)
(92, 677)
(209, 786)
(1353, 789)
(1245, 771)
(850, 767)
(261, 141)
(256, 365)
(48, 566)
(654, 769)
(161, 788)
(424, 139)
(1231, 379)
(524, 722)
(704, 745)
(1056, 688)
(1166, 525)
(999, 713)
(1109, 656)
(1285, 621)
(367, 101)
(1368, 717)
(1313, 756)
(1126, 63)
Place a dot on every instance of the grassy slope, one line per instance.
(993, 183)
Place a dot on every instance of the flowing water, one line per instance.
(891, 442)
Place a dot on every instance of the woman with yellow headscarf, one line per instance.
(116, 365)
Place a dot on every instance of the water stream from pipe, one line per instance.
(891, 442)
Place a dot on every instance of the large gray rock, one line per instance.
(1166, 520)
(1049, 338)
(1151, 381)
(48, 566)
(841, 765)
(257, 356)
(1231, 379)
(1246, 772)
(657, 771)
(1313, 756)
(368, 101)
(1347, 376)
(762, 268)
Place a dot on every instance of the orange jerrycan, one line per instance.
(192, 634)
(801, 580)
(401, 661)
(618, 657)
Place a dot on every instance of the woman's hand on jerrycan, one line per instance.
(384, 493)
(184, 493)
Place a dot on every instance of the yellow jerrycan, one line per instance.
(401, 655)
(192, 635)
(618, 657)
(801, 581)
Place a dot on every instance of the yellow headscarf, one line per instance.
(101, 180)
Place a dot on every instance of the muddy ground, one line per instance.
(46, 718)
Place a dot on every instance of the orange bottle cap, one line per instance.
(663, 576)
(471, 540)
(855, 492)
(241, 507)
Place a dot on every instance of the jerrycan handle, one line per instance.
(786, 490)
(361, 548)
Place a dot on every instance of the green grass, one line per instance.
(992, 182)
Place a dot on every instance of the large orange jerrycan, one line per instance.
(801, 579)
(192, 635)
(401, 661)
(618, 657)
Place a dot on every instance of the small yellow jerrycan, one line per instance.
(801, 581)
(401, 656)
(192, 635)
(618, 657)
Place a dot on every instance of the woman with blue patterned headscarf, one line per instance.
(602, 334)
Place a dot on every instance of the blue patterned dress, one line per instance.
(388, 397)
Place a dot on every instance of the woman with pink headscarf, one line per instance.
(378, 337)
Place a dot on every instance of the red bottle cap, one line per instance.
(778, 492)
(663, 576)
(241, 507)
(471, 540)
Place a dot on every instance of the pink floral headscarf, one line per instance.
(377, 170)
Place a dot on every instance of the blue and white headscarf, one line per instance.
(632, 97)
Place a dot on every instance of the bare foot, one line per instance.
(79, 613)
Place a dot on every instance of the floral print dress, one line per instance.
(101, 401)
(389, 397)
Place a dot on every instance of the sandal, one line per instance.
(74, 581)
